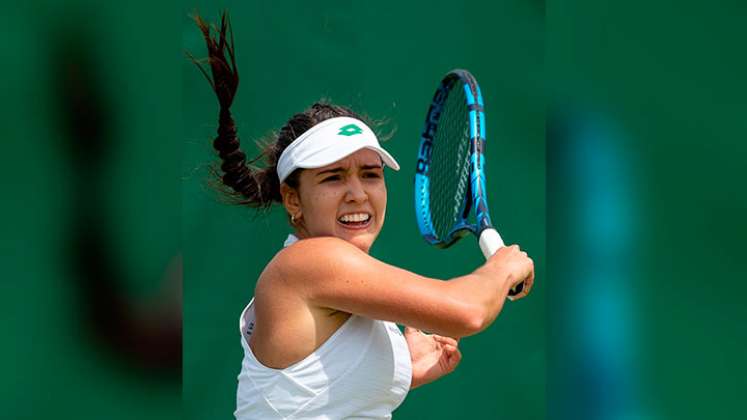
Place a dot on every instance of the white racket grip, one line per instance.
(490, 241)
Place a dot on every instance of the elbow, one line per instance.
(475, 320)
(472, 308)
(475, 324)
(479, 318)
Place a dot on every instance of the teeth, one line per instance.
(354, 217)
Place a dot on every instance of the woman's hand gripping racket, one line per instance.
(450, 177)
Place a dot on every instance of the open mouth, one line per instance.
(355, 220)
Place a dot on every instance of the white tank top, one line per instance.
(362, 371)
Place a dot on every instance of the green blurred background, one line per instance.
(646, 202)
(90, 143)
(382, 59)
(628, 192)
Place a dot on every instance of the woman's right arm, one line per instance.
(331, 273)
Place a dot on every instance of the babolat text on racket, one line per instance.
(450, 194)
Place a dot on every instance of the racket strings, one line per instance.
(449, 169)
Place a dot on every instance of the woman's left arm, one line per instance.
(433, 356)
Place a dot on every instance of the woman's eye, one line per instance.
(371, 175)
(331, 178)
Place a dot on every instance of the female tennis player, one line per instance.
(319, 336)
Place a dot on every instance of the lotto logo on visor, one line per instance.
(320, 146)
(350, 130)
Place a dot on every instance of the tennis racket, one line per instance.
(450, 194)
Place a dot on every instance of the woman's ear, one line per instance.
(291, 201)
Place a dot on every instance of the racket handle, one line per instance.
(490, 241)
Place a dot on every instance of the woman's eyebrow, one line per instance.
(341, 169)
(333, 170)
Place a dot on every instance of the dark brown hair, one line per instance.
(244, 182)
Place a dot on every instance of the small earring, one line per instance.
(293, 219)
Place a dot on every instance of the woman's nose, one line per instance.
(355, 191)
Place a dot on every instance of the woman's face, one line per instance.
(346, 199)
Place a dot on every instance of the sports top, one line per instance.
(362, 371)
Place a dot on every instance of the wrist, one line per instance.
(498, 282)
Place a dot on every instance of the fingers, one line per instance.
(445, 340)
(528, 284)
(508, 249)
(514, 265)
(453, 356)
(524, 272)
(450, 350)
(457, 356)
(530, 279)
(447, 343)
(410, 330)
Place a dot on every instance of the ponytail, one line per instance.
(243, 182)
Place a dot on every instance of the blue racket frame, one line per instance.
(477, 197)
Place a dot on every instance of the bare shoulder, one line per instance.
(315, 256)
(297, 272)
(286, 280)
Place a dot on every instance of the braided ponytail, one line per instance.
(248, 185)
(237, 176)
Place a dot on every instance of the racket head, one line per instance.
(450, 195)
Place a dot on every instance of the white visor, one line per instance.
(328, 142)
